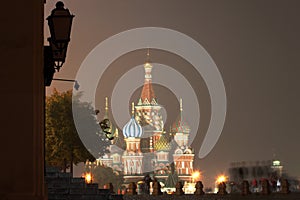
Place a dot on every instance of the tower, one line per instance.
(113, 158)
(148, 111)
(181, 129)
(132, 158)
(183, 155)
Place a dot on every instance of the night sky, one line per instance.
(255, 45)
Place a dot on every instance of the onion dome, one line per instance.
(163, 143)
(132, 128)
(180, 126)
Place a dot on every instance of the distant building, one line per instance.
(258, 170)
(277, 168)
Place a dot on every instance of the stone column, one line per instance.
(265, 187)
(178, 187)
(199, 188)
(132, 189)
(156, 188)
(285, 186)
(245, 188)
(110, 187)
(222, 189)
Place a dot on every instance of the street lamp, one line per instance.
(60, 22)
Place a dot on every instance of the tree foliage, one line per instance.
(103, 175)
(63, 144)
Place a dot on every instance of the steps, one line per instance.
(62, 186)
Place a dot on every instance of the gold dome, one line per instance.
(162, 144)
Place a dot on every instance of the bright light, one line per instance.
(189, 188)
(221, 179)
(196, 175)
(276, 163)
(88, 178)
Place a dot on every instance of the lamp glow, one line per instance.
(195, 175)
(88, 178)
(221, 179)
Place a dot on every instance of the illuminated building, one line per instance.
(132, 157)
(183, 155)
(148, 111)
(144, 147)
(162, 148)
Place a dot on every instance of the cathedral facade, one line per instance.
(144, 147)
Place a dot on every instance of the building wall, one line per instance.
(251, 170)
(22, 100)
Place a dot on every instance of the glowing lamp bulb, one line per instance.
(88, 178)
(221, 179)
(196, 174)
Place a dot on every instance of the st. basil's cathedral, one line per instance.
(145, 147)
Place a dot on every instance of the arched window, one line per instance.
(178, 151)
(188, 151)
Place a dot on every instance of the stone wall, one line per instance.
(22, 93)
(64, 186)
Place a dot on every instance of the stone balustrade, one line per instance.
(63, 186)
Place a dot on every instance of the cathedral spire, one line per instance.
(148, 67)
(148, 96)
(181, 109)
(148, 56)
(181, 112)
(180, 126)
(106, 108)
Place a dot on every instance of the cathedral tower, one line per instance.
(148, 112)
(183, 155)
(132, 157)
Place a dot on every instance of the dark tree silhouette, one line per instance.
(63, 144)
(103, 175)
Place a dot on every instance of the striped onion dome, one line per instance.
(132, 129)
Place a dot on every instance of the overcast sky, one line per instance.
(255, 45)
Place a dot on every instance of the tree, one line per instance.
(63, 144)
(103, 175)
(172, 177)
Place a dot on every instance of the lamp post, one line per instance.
(76, 84)
(60, 22)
